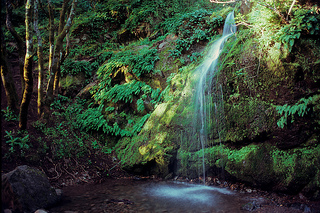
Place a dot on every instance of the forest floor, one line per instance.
(74, 176)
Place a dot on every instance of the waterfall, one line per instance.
(208, 96)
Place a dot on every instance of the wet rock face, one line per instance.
(28, 189)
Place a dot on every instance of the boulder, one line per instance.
(27, 189)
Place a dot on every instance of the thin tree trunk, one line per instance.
(40, 58)
(51, 35)
(7, 80)
(63, 31)
(27, 74)
(53, 82)
(49, 90)
(19, 40)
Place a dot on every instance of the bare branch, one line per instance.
(294, 1)
(244, 23)
(222, 2)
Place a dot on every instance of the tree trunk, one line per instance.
(6, 76)
(51, 34)
(27, 72)
(40, 58)
(19, 40)
(63, 31)
(54, 77)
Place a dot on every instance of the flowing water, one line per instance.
(208, 96)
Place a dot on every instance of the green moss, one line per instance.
(297, 166)
(247, 118)
(260, 164)
(70, 80)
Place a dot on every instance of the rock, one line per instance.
(28, 190)
(85, 92)
(59, 192)
(71, 84)
(251, 206)
(41, 211)
(162, 45)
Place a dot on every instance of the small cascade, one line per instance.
(209, 97)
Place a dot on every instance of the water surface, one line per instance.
(149, 196)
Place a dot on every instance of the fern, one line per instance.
(124, 92)
(300, 108)
(92, 120)
(140, 105)
(138, 126)
(304, 21)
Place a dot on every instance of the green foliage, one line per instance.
(67, 140)
(297, 164)
(93, 120)
(128, 61)
(195, 56)
(123, 92)
(130, 65)
(192, 28)
(96, 22)
(300, 108)
(74, 67)
(9, 115)
(17, 142)
(144, 62)
(304, 21)
(140, 105)
(58, 102)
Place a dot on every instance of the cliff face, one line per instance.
(269, 133)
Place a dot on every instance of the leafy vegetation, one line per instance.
(192, 28)
(19, 142)
(304, 21)
(9, 115)
(300, 108)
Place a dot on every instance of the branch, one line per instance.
(67, 27)
(294, 1)
(222, 2)
(244, 23)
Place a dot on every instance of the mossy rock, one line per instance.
(71, 84)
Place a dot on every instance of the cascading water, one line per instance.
(208, 95)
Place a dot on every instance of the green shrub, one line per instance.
(15, 141)
(9, 115)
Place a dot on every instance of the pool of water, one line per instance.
(149, 196)
(183, 197)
